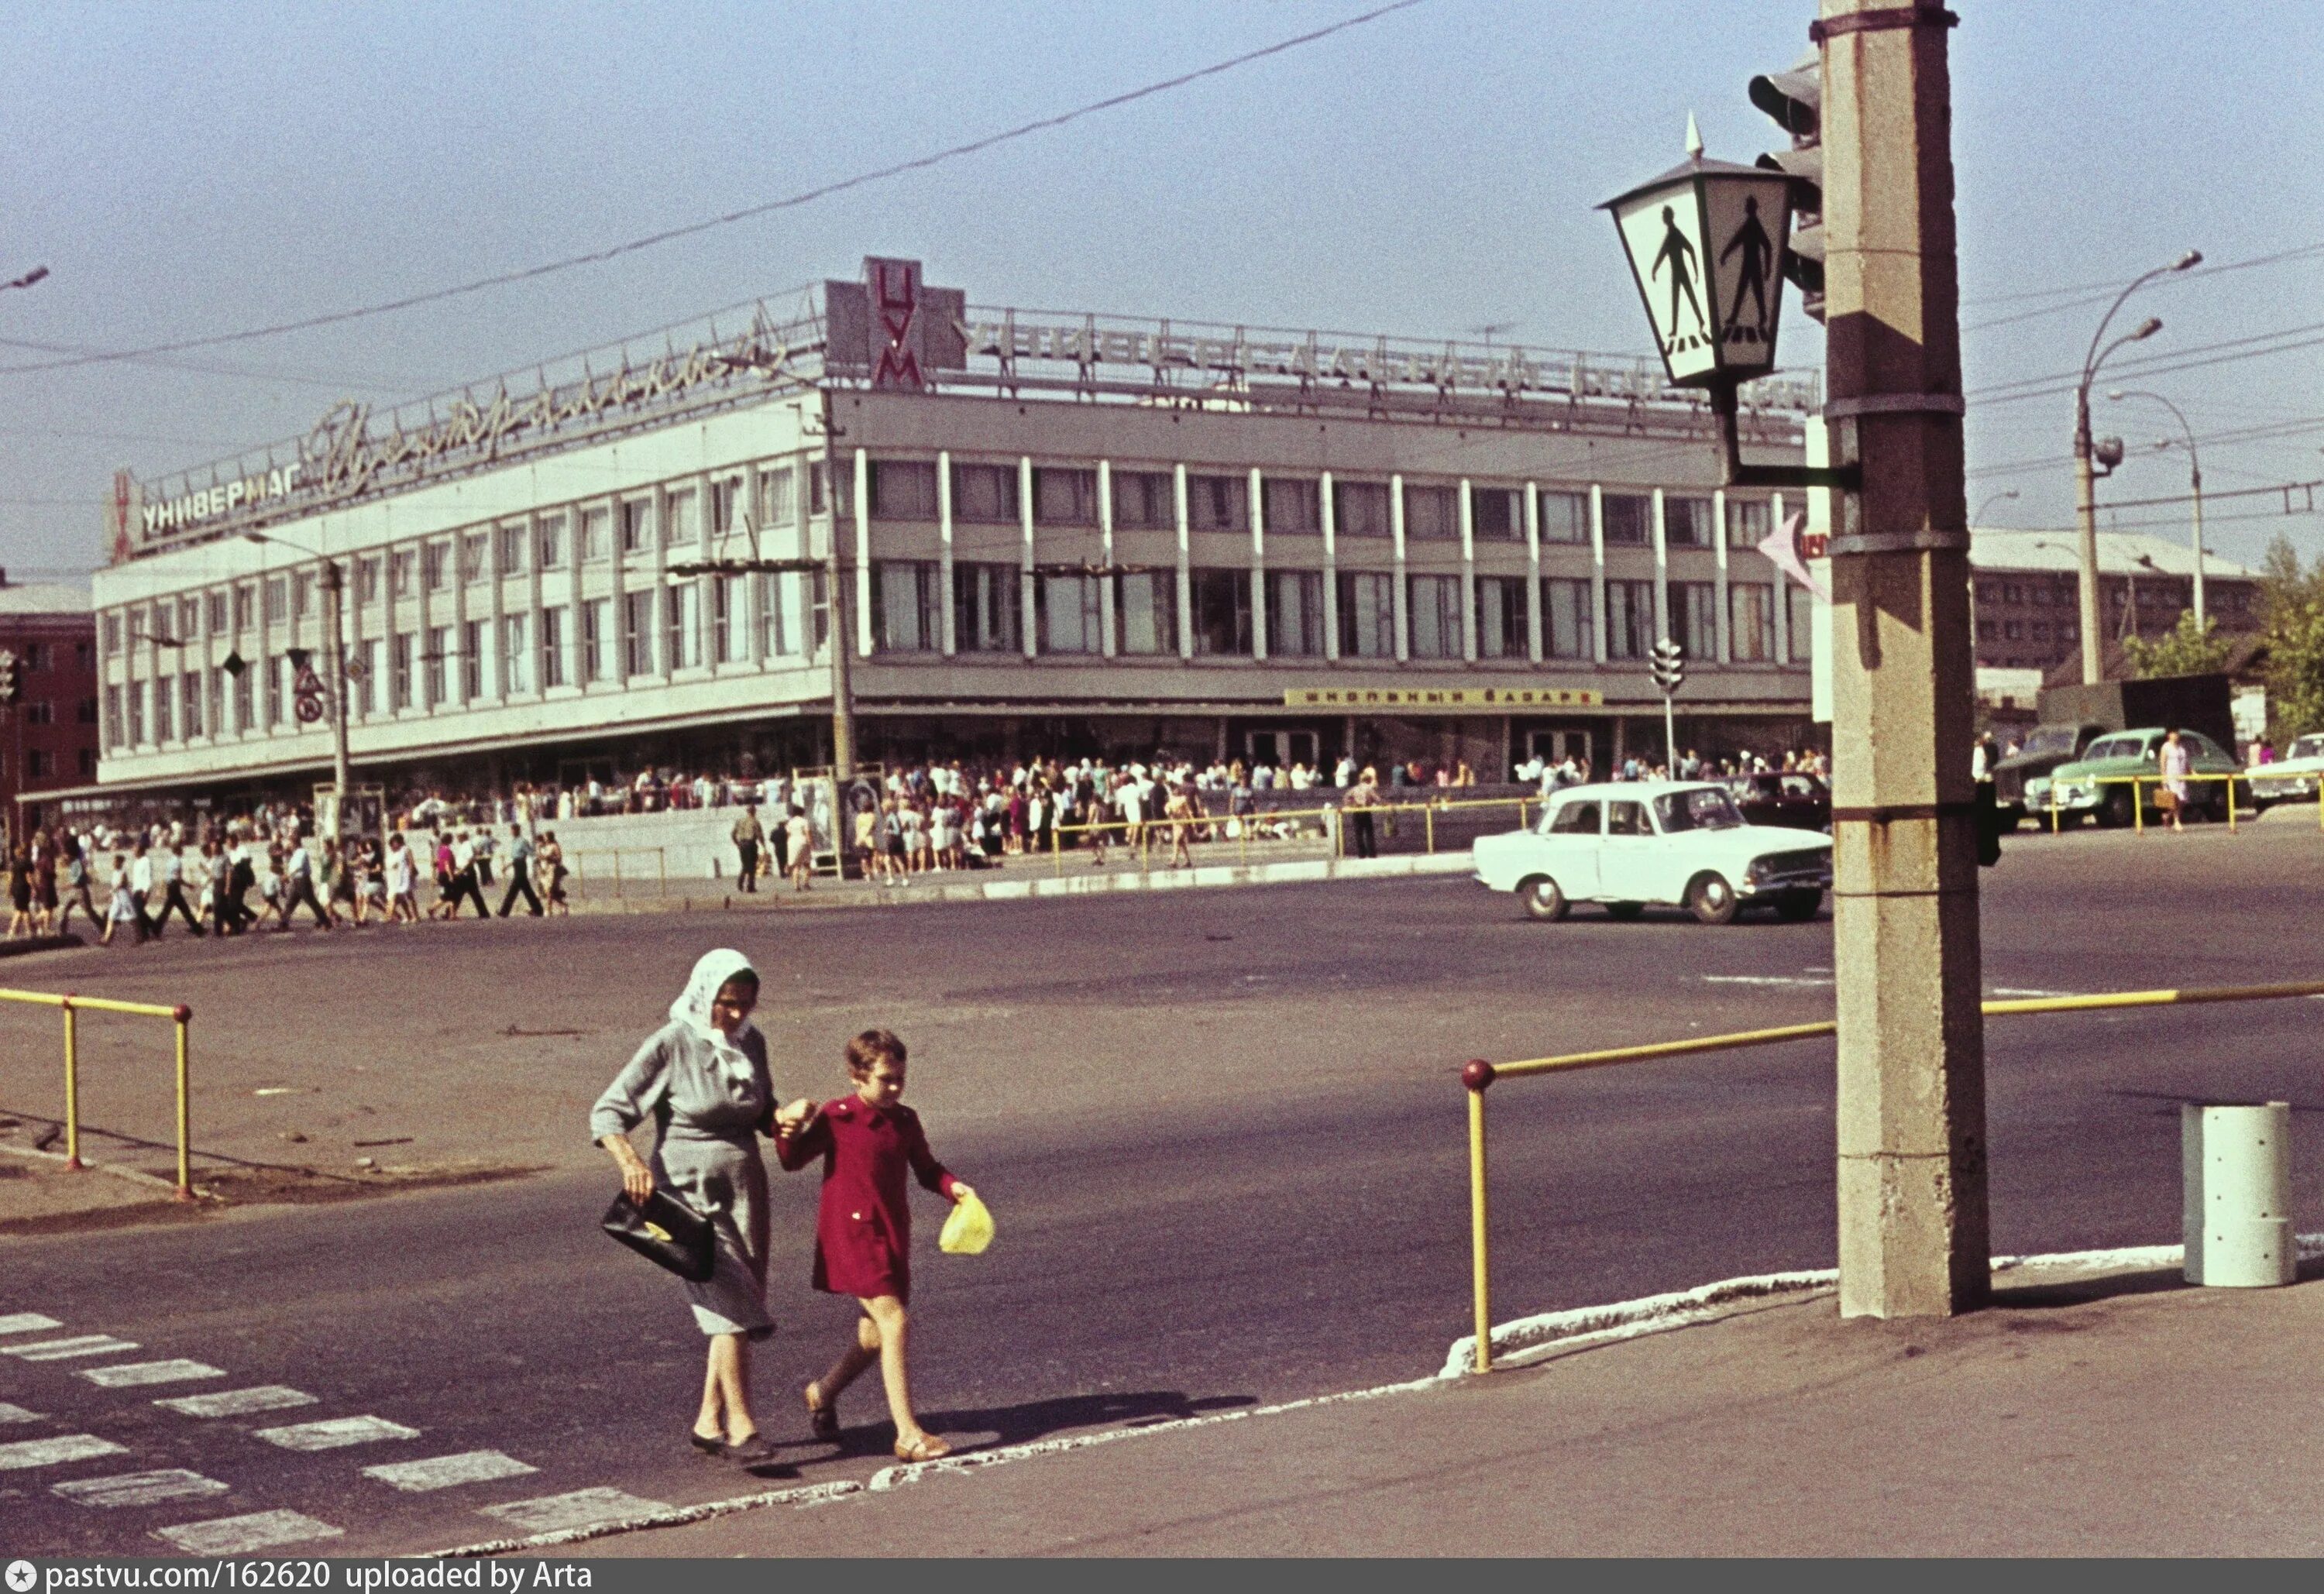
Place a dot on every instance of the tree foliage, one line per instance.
(2185, 649)
(2292, 621)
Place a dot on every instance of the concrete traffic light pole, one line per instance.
(1912, 1217)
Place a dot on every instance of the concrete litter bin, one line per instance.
(2235, 1163)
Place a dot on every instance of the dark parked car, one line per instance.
(2045, 748)
(1791, 798)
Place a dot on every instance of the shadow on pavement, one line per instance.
(989, 1427)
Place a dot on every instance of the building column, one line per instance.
(1662, 571)
(1783, 595)
(1598, 575)
(947, 621)
(1399, 597)
(1331, 571)
(1029, 597)
(1532, 571)
(705, 586)
(1257, 565)
(1468, 575)
(1723, 621)
(666, 661)
(498, 609)
(864, 639)
(1109, 643)
(1185, 565)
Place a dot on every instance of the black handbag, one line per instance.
(665, 1231)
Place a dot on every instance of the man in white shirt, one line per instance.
(173, 888)
(465, 887)
(298, 876)
(141, 887)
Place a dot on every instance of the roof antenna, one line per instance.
(1693, 139)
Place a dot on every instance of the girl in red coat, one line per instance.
(864, 1228)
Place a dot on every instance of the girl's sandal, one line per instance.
(823, 1419)
(928, 1447)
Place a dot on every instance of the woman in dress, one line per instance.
(702, 1078)
(2175, 764)
(20, 894)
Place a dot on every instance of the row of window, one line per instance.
(2151, 595)
(38, 658)
(40, 763)
(906, 490)
(987, 604)
(1992, 630)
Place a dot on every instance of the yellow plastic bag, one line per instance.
(968, 1230)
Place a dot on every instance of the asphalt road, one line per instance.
(1219, 1132)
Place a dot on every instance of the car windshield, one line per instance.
(1705, 807)
(2050, 741)
(2307, 747)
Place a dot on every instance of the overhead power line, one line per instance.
(2285, 341)
(2095, 293)
(2250, 434)
(652, 240)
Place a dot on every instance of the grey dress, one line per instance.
(708, 1153)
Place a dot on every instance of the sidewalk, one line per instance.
(2122, 1415)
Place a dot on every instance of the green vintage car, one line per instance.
(2093, 786)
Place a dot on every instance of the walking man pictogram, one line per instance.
(1680, 254)
(1751, 238)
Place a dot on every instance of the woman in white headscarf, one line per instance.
(702, 1078)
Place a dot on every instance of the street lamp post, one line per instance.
(2085, 466)
(335, 679)
(1974, 520)
(2194, 481)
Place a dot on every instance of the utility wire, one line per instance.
(598, 256)
(2100, 292)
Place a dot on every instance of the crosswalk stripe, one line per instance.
(131, 1374)
(475, 1466)
(139, 1488)
(238, 1536)
(58, 1349)
(16, 1413)
(236, 1402)
(583, 1508)
(50, 1453)
(26, 1323)
(333, 1432)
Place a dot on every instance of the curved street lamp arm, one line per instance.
(2093, 360)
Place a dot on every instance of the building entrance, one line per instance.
(1556, 746)
(1281, 749)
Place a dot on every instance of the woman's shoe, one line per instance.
(822, 1420)
(928, 1447)
(750, 1452)
(709, 1444)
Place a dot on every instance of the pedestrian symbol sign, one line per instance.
(1706, 244)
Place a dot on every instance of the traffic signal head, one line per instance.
(1669, 665)
(10, 687)
(1795, 98)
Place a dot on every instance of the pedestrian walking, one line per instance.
(76, 857)
(19, 893)
(551, 862)
(520, 861)
(121, 908)
(1362, 798)
(463, 878)
(298, 887)
(141, 887)
(174, 894)
(702, 1077)
(44, 884)
(800, 837)
(747, 837)
(868, 1141)
(403, 881)
(2175, 764)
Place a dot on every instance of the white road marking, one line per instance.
(476, 1466)
(236, 1402)
(333, 1432)
(26, 1323)
(2017, 991)
(583, 1508)
(50, 1453)
(129, 1375)
(1764, 979)
(58, 1349)
(238, 1536)
(16, 1413)
(139, 1488)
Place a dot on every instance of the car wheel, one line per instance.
(1625, 909)
(2116, 813)
(1797, 905)
(1711, 899)
(1543, 899)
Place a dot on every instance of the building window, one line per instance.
(1435, 608)
(277, 599)
(88, 763)
(1629, 619)
(302, 594)
(85, 654)
(38, 765)
(246, 685)
(1221, 610)
(439, 649)
(113, 716)
(723, 494)
(1751, 630)
(779, 598)
(1218, 503)
(277, 683)
(1294, 613)
(85, 712)
(513, 654)
(596, 535)
(1145, 501)
(400, 570)
(1069, 614)
(112, 634)
(1360, 509)
(1430, 514)
(218, 696)
(1694, 618)
(903, 490)
(403, 651)
(435, 565)
(904, 615)
(1367, 615)
(162, 731)
(1802, 621)
(984, 494)
(1496, 515)
(474, 547)
(552, 647)
(1749, 521)
(508, 550)
(2011, 593)
(137, 713)
(1145, 610)
(683, 625)
(1686, 521)
(1065, 497)
(818, 480)
(1501, 617)
(1292, 507)
(366, 582)
(1630, 519)
(679, 526)
(1564, 518)
(548, 541)
(986, 608)
(190, 700)
(596, 639)
(2011, 631)
(2041, 631)
(725, 636)
(637, 525)
(475, 641)
(1986, 632)
(1568, 627)
(778, 496)
(214, 603)
(189, 618)
(367, 677)
(637, 634)
(31, 658)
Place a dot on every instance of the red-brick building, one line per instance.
(48, 737)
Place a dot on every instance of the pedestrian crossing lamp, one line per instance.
(1708, 241)
(1670, 674)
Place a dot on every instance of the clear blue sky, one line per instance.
(192, 169)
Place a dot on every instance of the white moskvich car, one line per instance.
(1675, 841)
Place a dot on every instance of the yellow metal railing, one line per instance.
(1332, 817)
(73, 1007)
(574, 857)
(2138, 802)
(1477, 1076)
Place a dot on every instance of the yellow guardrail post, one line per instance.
(72, 1085)
(2231, 804)
(1477, 1075)
(2053, 807)
(2137, 808)
(184, 1016)
(1428, 815)
(1057, 849)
